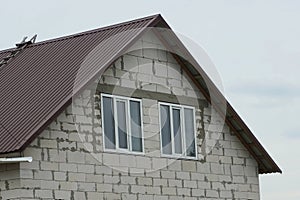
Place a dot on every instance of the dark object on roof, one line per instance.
(20, 46)
(38, 84)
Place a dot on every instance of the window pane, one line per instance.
(165, 129)
(109, 124)
(136, 130)
(189, 132)
(177, 131)
(122, 126)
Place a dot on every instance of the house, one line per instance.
(120, 112)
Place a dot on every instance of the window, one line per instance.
(178, 131)
(122, 123)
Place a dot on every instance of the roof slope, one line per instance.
(39, 80)
(38, 83)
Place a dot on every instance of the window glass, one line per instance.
(189, 132)
(136, 129)
(109, 124)
(122, 126)
(177, 131)
(124, 132)
(177, 125)
(165, 129)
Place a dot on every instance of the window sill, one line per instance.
(123, 152)
(178, 157)
(133, 153)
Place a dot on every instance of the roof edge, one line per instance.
(81, 33)
(230, 111)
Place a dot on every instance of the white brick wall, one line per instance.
(63, 167)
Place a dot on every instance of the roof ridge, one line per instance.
(61, 38)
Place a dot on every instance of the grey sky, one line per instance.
(253, 44)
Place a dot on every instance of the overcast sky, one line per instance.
(253, 44)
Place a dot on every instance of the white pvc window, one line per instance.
(122, 123)
(177, 130)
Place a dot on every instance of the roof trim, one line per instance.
(230, 114)
(105, 28)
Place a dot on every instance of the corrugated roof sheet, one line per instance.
(39, 82)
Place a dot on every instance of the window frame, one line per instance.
(182, 127)
(127, 100)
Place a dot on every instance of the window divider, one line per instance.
(172, 130)
(116, 123)
(129, 146)
(142, 127)
(183, 132)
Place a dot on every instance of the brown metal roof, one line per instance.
(38, 83)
